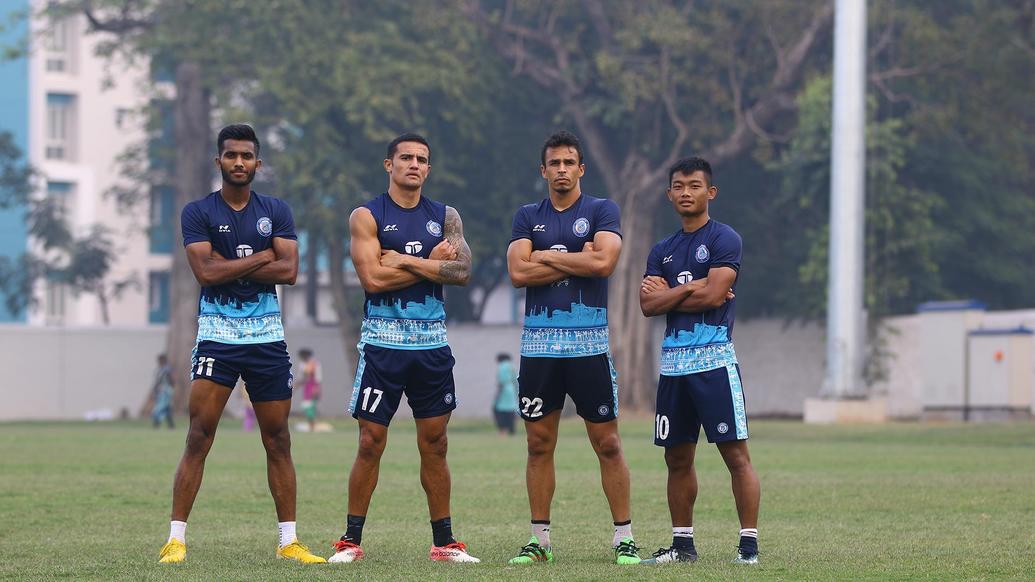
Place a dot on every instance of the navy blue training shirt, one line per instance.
(241, 311)
(568, 318)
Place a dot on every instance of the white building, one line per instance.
(74, 114)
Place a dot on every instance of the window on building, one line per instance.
(60, 47)
(56, 296)
(63, 195)
(61, 123)
(158, 296)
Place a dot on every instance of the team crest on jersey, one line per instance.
(434, 228)
(581, 227)
(702, 254)
(264, 226)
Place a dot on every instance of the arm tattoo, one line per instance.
(457, 271)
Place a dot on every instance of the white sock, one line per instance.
(621, 532)
(542, 532)
(683, 532)
(750, 532)
(287, 532)
(178, 531)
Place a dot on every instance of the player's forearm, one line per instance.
(581, 264)
(217, 270)
(384, 279)
(528, 274)
(453, 272)
(279, 272)
(702, 300)
(662, 301)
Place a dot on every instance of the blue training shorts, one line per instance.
(265, 368)
(713, 399)
(385, 374)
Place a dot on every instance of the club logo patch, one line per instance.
(264, 226)
(434, 228)
(702, 254)
(603, 409)
(723, 428)
(581, 227)
(448, 398)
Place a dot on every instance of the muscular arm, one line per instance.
(523, 272)
(716, 292)
(211, 269)
(456, 270)
(366, 257)
(597, 261)
(657, 298)
(282, 271)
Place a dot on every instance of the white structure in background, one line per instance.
(84, 111)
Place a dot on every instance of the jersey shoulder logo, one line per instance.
(264, 226)
(581, 226)
(390, 228)
(666, 260)
(434, 228)
(702, 254)
(539, 228)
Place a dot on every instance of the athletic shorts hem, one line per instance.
(374, 420)
(214, 381)
(271, 398)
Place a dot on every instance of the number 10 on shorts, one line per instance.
(366, 398)
(660, 426)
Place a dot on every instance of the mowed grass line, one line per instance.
(889, 502)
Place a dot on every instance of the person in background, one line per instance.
(312, 375)
(162, 392)
(504, 407)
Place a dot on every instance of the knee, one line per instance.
(739, 464)
(434, 444)
(371, 445)
(540, 446)
(277, 442)
(608, 447)
(199, 439)
(678, 463)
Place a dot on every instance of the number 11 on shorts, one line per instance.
(366, 398)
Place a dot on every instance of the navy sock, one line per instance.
(354, 528)
(442, 532)
(749, 544)
(683, 542)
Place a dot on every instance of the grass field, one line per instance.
(890, 502)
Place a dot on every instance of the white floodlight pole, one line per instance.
(847, 188)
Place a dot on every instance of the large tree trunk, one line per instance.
(347, 325)
(631, 338)
(192, 130)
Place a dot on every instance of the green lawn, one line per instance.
(889, 502)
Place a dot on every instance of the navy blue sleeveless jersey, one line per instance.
(241, 311)
(568, 318)
(412, 318)
(696, 342)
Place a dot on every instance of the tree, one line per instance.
(646, 83)
(81, 262)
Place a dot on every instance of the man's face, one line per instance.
(690, 193)
(562, 169)
(410, 165)
(238, 162)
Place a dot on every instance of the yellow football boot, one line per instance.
(172, 552)
(299, 553)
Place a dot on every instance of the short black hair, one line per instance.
(415, 137)
(503, 357)
(689, 166)
(305, 353)
(237, 131)
(560, 139)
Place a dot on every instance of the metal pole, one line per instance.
(847, 188)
